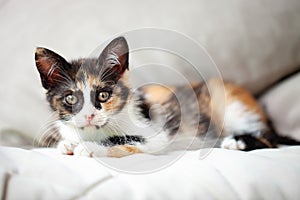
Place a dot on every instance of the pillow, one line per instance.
(282, 105)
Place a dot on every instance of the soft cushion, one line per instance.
(220, 174)
(283, 108)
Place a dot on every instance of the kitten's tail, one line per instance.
(286, 140)
(279, 139)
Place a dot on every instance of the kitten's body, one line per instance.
(99, 114)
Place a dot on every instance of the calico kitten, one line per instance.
(100, 115)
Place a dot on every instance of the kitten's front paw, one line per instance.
(66, 147)
(90, 149)
(233, 144)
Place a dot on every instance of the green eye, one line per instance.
(71, 99)
(103, 96)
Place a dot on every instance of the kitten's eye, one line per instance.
(71, 99)
(103, 96)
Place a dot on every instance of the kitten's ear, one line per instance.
(51, 67)
(115, 57)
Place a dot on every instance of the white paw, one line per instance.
(230, 143)
(90, 149)
(66, 147)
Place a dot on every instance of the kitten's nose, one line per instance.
(89, 117)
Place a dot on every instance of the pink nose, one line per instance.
(89, 117)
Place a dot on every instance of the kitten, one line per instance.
(100, 115)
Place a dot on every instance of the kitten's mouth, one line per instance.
(90, 126)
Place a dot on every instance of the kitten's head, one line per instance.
(86, 93)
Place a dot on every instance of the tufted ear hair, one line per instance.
(52, 67)
(114, 57)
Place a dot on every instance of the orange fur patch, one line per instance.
(221, 90)
(122, 150)
(112, 104)
(157, 93)
(237, 93)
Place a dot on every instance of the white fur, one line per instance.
(73, 134)
(156, 144)
(66, 146)
(90, 149)
(230, 143)
(239, 120)
(68, 132)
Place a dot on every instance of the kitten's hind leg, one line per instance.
(245, 123)
(246, 142)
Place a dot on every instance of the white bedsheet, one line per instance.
(222, 174)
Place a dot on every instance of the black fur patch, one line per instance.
(252, 142)
(274, 137)
(76, 107)
(144, 107)
(123, 140)
(95, 93)
(56, 98)
(286, 140)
